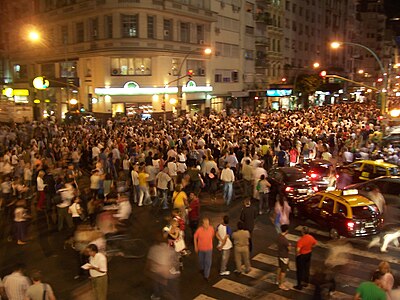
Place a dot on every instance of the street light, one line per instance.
(180, 110)
(336, 45)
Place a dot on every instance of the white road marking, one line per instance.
(239, 289)
(204, 297)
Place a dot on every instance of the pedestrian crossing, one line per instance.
(354, 264)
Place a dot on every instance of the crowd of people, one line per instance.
(168, 164)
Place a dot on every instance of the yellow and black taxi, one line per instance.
(343, 213)
(362, 170)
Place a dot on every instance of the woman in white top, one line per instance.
(20, 222)
(75, 210)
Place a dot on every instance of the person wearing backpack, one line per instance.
(39, 290)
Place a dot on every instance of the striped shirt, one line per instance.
(16, 285)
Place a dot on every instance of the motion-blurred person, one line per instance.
(248, 216)
(39, 290)
(387, 279)
(281, 212)
(223, 233)
(376, 196)
(20, 222)
(162, 268)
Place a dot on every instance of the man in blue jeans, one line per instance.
(203, 245)
(228, 177)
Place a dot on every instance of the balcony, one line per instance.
(261, 41)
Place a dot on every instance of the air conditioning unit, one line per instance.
(217, 30)
(166, 32)
(201, 42)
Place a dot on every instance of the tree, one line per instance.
(306, 85)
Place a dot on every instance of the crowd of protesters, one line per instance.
(168, 164)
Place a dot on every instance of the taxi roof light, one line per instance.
(350, 192)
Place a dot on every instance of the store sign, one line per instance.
(279, 93)
(9, 92)
(131, 85)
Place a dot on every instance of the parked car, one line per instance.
(321, 173)
(364, 170)
(342, 213)
(292, 182)
(389, 186)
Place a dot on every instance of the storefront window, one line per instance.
(130, 66)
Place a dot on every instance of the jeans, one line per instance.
(247, 188)
(144, 195)
(228, 192)
(205, 260)
(263, 202)
(135, 193)
(224, 260)
(162, 197)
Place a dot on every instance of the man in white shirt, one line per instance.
(223, 233)
(67, 195)
(98, 272)
(135, 183)
(124, 209)
(228, 178)
(162, 181)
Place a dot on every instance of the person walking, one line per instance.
(162, 182)
(39, 290)
(241, 240)
(371, 290)
(227, 177)
(283, 257)
(223, 233)
(98, 272)
(248, 216)
(263, 187)
(203, 245)
(303, 258)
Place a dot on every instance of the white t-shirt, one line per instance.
(222, 232)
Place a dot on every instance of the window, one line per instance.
(48, 70)
(294, 26)
(168, 30)
(185, 32)
(287, 5)
(368, 168)
(248, 54)
(200, 34)
(197, 66)
(294, 6)
(226, 76)
(108, 27)
(226, 50)
(130, 66)
(94, 28)
(68, 69)
(380, 171)
(20, 71)
(327, 205)
(130, 25)
(341, 209)
(151, 27)
(80, 32)
(64, 34)
(176, 63)
(249, 30)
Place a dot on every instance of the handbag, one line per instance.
(44, 291)
(179, 244)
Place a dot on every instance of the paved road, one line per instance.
(127, 279)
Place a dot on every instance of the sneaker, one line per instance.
(140, 204)
(225, 273)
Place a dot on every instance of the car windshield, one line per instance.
(394, 171)
(365, 212)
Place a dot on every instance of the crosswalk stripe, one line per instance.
(204, 297)
(239, 289)
(354, 251)
(271, 260)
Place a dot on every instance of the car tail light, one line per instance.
(289, 189)
(315, 188)
(313, 176)
(350, 225)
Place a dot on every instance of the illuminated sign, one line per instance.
(131, 85)
(279, 93)
(151, 91)
(41, 83)
(9, 92)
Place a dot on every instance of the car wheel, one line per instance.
(333, 234)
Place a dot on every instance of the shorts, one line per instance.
(283, 264)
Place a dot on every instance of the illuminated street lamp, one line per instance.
(316, 65)
(73, 101)
(336, 45)
(34, 36)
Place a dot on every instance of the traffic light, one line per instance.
(323, 76)
(190, 73)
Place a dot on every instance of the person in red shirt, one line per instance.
(193, 212)
(203, 245)
(303, 258)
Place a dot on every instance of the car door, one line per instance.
(356, 168)
(311, 207)
(339, 218)
(326, 212)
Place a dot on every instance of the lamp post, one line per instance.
(179, 104)
(383, 94)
